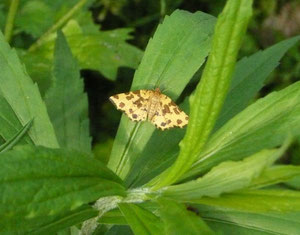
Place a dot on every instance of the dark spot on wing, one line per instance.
(138, 92)
(166, 109)
(163, 124)
(186, 118)
(139, 101)
(122, 105)
(179, 121)
(176, 110)
(134, 116)
(116, 96)
(130, 97)
(172, 104)
(130, 111)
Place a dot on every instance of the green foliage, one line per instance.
(264, 124)
(38, 182)
(174, 214)
(177, 37)
(220, 176)
(140, 220)
(67, 108)
(225, 177)
(211, 91)
(23, 97)
(15, 139)
(249, 77)
(234, 221)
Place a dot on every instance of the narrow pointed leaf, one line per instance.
(226, 177)
(212, 89)
(15, 139)
(176, 51)
(256, 201)
(264, 124)
(23, 97)
(141, 221)
(249, 77)
(245, 223)
(66, 101)
(178, 220)
(276, 174)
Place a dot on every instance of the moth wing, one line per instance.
(169, 115)
(134, 103)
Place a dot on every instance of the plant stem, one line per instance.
(57, 25)
(212, 89)
(11, 19)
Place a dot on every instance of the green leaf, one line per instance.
(246, 223)
(104, 51)
(40, 182)
(113, 217)
(212, 89)
(264, 124)
(256, 201)
(181, 35)
(52, 224)
(66, 101)
(35, 17)
(119, 229)
(140, 220)
(10, 124)
(249, 77)
(276, 174)
(15, 139)
(178, 220)
(226, 177)
(294, 182)
(23, 97)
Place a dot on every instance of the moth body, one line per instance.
(151, 105)
(154, 104)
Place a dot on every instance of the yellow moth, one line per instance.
(151, 105)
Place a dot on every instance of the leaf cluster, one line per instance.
(220, 175)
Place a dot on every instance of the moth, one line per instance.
(151, 105)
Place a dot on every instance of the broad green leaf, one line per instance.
(178, 220)
(249, 77)
(15, 139)
(113, 217)
(294, 182)
(119, 229)
(104, 51)
(176, 51)
(276, 174)
(256, 201)
(23, 97)
(52, 224)
(66, 101)
(29, 17)
(212, 89)
(40, 182)
(264, 124)
(246, 223)
(31, 12)
(140, 220)
(226, 177)
(10, 124)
